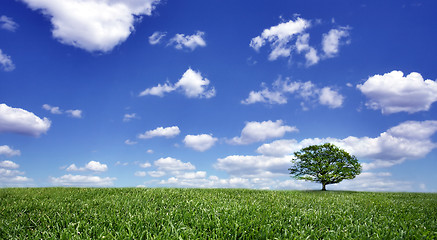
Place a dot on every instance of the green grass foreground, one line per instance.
(134, 213)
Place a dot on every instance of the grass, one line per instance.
(132, 213)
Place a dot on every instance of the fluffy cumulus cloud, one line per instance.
(8, 151)
(260, 131)
(330, 98)
(194, 85)
(156, 37)
(182, 41)
(191, 84)
(10, 176)
(279, 37)
(56, 110)
(6, 63)
(82, 181)
(407, 141)
(200, 142)
(8, 164)
(332, 40)
(302, 46)
(93, 25)
(170, 164)
(17, 120)
(90, 166)
(167, 132)
(393, 92)
(8, 23)
(308, 92)
(291, 37)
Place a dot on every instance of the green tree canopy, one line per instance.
(325, 164)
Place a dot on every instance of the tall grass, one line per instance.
(131, 213)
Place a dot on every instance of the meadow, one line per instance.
(169, 213)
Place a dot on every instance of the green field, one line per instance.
(134, 213)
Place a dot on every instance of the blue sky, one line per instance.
(113, 93)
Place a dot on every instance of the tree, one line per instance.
(325, 164)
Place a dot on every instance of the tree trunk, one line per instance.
(323, 186)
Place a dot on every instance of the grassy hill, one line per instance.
(133, 213)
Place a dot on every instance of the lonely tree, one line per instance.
(325, 164)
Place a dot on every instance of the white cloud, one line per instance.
(82, 181)
(200, 142)
(330, 98)
(375, 182)
(260, 131)
(254, 166)
(8, 151)
(93, 25)
(159, 90)
(8, 23)
(210, 182)
(140, 174)
(182, 41)
(74, 113)
(192, 84)
(118, 163)
(302, 46)
(291, 37)
(392, 92)
(156, 37)
(57, 110)
(332, 40)
(130, 142)
(10, 177)
(145, 165)
(156, 174)
(306, 91)
(235, 182)
(406, 141)
(279, 37)
(96, 166)
(266, 96)
(127, 117)
(6, 62)
(172, 165)
(9, 173)
(73, 167)
(17, 120)
(149, 151)
(167, 132)
(53, 110)
(8, 164)
(279, 148)
(367, 181)
(192, 175)
(90, 166)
